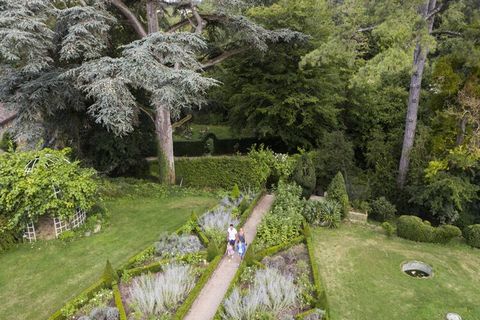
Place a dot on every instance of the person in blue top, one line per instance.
(241, 243)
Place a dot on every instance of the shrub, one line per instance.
(445, 233)
(275, 230)
(221, 172)
(388, 228)
(382, 210)
(279, 166)
(235, 194)
(175, 245)
(103, 313)
(330, 213)
(311, 211)
(37, 183)
(287, 201)
(338, 191)
(67, 236)
(215, 223)
(7, 237)
(304, 175)
(212, 251)
(472, 235)
(109, 275)
(413, 228)
(7, 143)
(154, 295)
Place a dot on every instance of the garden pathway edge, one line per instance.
(212, 294)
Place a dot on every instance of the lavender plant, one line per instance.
(103, 313)
(217, 220)
(271, 292)
(154, 295)
(175, 245)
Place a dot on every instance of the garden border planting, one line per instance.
(128, 269)
(187, 304)
(254, 259)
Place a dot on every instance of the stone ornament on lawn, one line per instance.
(453, 316)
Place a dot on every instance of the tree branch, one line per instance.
(200, 22)
(185, 22)
(147, 113)
(135, 23)
(220, 58)
(433, 12)
(366, 29)
(448, 32)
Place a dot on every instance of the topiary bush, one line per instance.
(413, 228)
(304, 175)
(382, 210)
(338, 191)
(445, 233)
(472, 235)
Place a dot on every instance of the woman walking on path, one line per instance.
(242, 243)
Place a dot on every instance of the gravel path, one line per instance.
(207, 303)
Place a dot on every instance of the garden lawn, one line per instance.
(361, 271)
(37, 280)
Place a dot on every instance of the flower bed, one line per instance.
(280, 286)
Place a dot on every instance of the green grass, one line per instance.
(37, 280)
(361, 271)
(198, 132)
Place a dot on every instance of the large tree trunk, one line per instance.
(419, 60)
(163, 124)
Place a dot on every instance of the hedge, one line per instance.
(80, 300)
(322, 299)
(220, 172)
(118, 302)
(472, 235)
(307, 313)
(187, 304)
(413, 228)
(274, 249)
(196, 148)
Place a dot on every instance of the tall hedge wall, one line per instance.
(220, 172)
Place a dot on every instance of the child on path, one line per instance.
(230, 251)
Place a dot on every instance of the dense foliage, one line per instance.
(382, 210)
(284, 221)
(472, 235)
(413, 228)
(304, 175)
(46, 182)
(221, 172)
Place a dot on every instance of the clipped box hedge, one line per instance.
(220, 172)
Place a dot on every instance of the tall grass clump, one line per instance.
(172, 245)
(271, 293)
(156, 295)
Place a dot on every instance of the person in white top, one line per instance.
(232, 235)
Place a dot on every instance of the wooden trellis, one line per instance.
(30, 233)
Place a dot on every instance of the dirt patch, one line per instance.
(45, 228)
